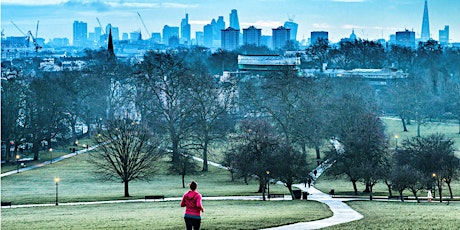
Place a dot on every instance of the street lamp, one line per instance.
(51, 155)
(434, 189)
(268, 184)
(17, 163)
(56, 181)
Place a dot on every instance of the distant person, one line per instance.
(193, 207)
(315, 172)
(429, 196)
(309, 182)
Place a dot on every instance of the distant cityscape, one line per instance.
(215, 35)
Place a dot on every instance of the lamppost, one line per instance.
(268, 184)
(56, 181)
(17, 163)
(396, 140)
(51, 155)
(434, 189)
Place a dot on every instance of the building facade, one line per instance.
(444, 36)
(234, 22)
(280, 37)
(230, 39)
(185, 30)
(293, 27)
(405, 38)
(425, 24)
(251, 36)
(80, 33)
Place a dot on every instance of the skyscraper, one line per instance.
(208, 35)
(293, 27)
(220, 25)
(444, 36)
(251, 36)
(80, 33)
(169, 32)
(280, 36)
(234, 22)
(405, 38)
(185, 30)
(230, 39)
(425, 24)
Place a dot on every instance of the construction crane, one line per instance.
(36, 30)
(29, 35)
(145, 27)
(102, 29)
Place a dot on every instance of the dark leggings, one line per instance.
(192, 223)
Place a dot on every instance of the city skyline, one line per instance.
(370, 19)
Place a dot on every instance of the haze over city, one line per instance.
(371, 19)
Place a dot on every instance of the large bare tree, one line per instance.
(127, 152)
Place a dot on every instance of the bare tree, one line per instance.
(127, 152)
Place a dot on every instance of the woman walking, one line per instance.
(193, 207)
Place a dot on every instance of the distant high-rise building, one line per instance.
(208, 35)
(168, 32)
(234, 22)
(317, 35)
(280, 37)
(220, 25)
(199, 37)
(266, 40)
(156, 37)
(293, 27)
(425, 24)
(405, 38)
(115, 34)
(125, 36)
(135, 36)
(185, 30)
(80, 33)
(251, 36)
(230, 39)
(97, 33)
(444, 36)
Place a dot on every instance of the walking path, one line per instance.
(342, 213)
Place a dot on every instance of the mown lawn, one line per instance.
(407, 215)
(164, 215)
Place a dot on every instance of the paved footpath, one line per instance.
(342, 213)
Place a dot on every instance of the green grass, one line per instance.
(164, 215)
(79, 183)
(398, 215)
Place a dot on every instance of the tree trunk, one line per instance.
(440, 192)
(450, 189)
(404, 124)
(205, 155)
(175, 150)
(419, 124)
(416, 197)
(390, 193)
(401, 195)
(126, 189)
(368, 188)
(8, 151)
(36, 149)
(183, 180)
(318, 156)
(370, 192)
(354, 187)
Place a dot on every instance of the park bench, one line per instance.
(397, 197)
(271, 196)
(6, 204)
(155, 197)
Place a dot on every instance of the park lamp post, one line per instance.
(56, 181)
(434, 189)
(268, 184)
(17, 163)
(51, 155)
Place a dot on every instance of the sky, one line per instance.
(371, 19)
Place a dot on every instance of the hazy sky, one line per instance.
(371, 19)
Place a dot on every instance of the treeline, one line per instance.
(262, 118)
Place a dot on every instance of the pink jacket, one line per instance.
(192, 201)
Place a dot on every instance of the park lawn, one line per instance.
(394, 127)
(407, 215)
(79, 183)
(164, 215)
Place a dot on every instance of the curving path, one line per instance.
(342, 213)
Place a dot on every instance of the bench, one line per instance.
(6, 204)
(271, 195)
(398, 197)
(155, 197)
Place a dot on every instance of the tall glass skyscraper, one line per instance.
(293, 27)
(80, 33)
(234, 22)
(185, 30)
(425, 24)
